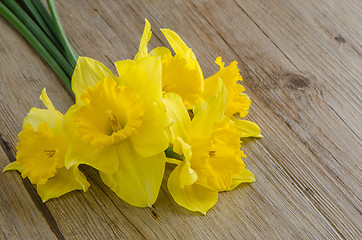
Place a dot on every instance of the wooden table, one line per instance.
(302, 68)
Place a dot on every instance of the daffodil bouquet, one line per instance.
(158, 109)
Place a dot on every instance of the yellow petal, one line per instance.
(187, 175)
(122, 67)
(137, 180)
(151, 138)
(104, 158)
(181, 125)
(36, 116)
(44, 97)
(247, 128)
(146, 36)
(162, 52)
(14, 166)
(145, 77)
(65, 181)
(52, 117)
(245, 176)
(193, 197)
(186, 149)
(213, 111)
(87, 73)
(175, 41)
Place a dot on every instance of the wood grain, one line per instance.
(18, 212)
(301, 63)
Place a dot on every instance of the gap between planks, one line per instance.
(33, 194)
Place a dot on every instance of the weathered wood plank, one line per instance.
(18, 212)
(332, 97)
(307, 183)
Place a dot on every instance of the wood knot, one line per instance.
(295, 81)
(340, 39)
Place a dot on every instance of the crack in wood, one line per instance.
(33, 194)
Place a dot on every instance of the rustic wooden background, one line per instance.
(302, 68)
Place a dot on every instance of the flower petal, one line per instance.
(212, 112)
(151, 138)
(87, 73)
(145, 77)
(51, 116)
(247, 128)
(44, 97)
(193, 197)
(181, 120)
(122, 67)
(14, 166)
(146, 36)
(162, 52)
(137, 180)
(175, 41)
(245, 176)
(187, 175)
(104, 158)
(65, 181)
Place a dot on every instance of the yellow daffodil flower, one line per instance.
(238, 102)
(181, 73)
(210, 144)
(41, 153)
(118, 126)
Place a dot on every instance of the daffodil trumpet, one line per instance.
(118, 125)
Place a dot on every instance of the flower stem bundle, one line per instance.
(45, 33)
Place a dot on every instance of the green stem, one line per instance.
(39, 34)
(69, 51)
(46, 16)
(23, 30)
(40, 20)
(171, 154)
